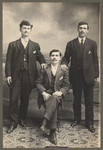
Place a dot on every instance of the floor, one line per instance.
(33, 137)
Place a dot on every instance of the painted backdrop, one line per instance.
(54, 24)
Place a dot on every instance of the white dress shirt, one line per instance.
(54, 69)
(24, 42)
(84, 38)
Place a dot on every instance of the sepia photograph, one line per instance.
(51, 74)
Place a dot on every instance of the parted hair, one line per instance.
(55, 50)
(24, 22)
(83, 23)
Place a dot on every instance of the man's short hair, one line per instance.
(83, 23)
(24, 22)
(55, 50)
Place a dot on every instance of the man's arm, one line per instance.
(66, 59)
(40, 58)
(40, 81)
(8, 61)
(8, 64)
(95, 60)
(67, 54)
(40, 87)
(65, 85)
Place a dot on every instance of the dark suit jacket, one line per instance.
(90, 59)
(44, 81)
(13, 60)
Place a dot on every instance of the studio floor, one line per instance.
(33, 137)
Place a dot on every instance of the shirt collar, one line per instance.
(54, 66)
(24, 40)
(84, 38)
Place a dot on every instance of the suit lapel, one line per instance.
(86, 46)
(18, 45)
(30, 43)
(58, 73)
(49, 72)
(78, 48)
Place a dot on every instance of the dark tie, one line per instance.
(82, 45)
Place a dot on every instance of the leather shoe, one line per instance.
(53, 138)
(43, 128)
(11, 128)
(22, 123)
(90, 128)
(75, 123)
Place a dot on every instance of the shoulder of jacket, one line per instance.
(72, 41)
(64, 71)
(13, 42)
(34, 42)
(43, 71)
(92, 41)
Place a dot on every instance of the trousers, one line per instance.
(78, 86)
(20, 88)
(51, 106)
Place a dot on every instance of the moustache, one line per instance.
(82, 32)
(25, 32)
(54, 59)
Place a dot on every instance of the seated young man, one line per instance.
(52, 85)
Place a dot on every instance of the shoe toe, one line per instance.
(11, 128)
(53, 139)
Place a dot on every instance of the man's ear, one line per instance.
(20, 30)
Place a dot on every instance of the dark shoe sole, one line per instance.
(91, 130)
(10, 131)
(22, 125)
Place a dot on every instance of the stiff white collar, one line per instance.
(24, 41)
(54, 69)
(84, 38)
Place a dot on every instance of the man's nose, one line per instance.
(81, 29)
(26, 29)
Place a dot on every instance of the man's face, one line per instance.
(55, 57)
(25, 30)
(83, 30)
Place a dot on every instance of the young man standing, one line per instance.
(83, 73)
(21, 74)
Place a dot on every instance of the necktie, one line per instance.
(82, 45)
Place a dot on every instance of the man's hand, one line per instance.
(95, 80)
(9, 80)
(46, 96)
(64, 67)
(43, 66)
(57, 93)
